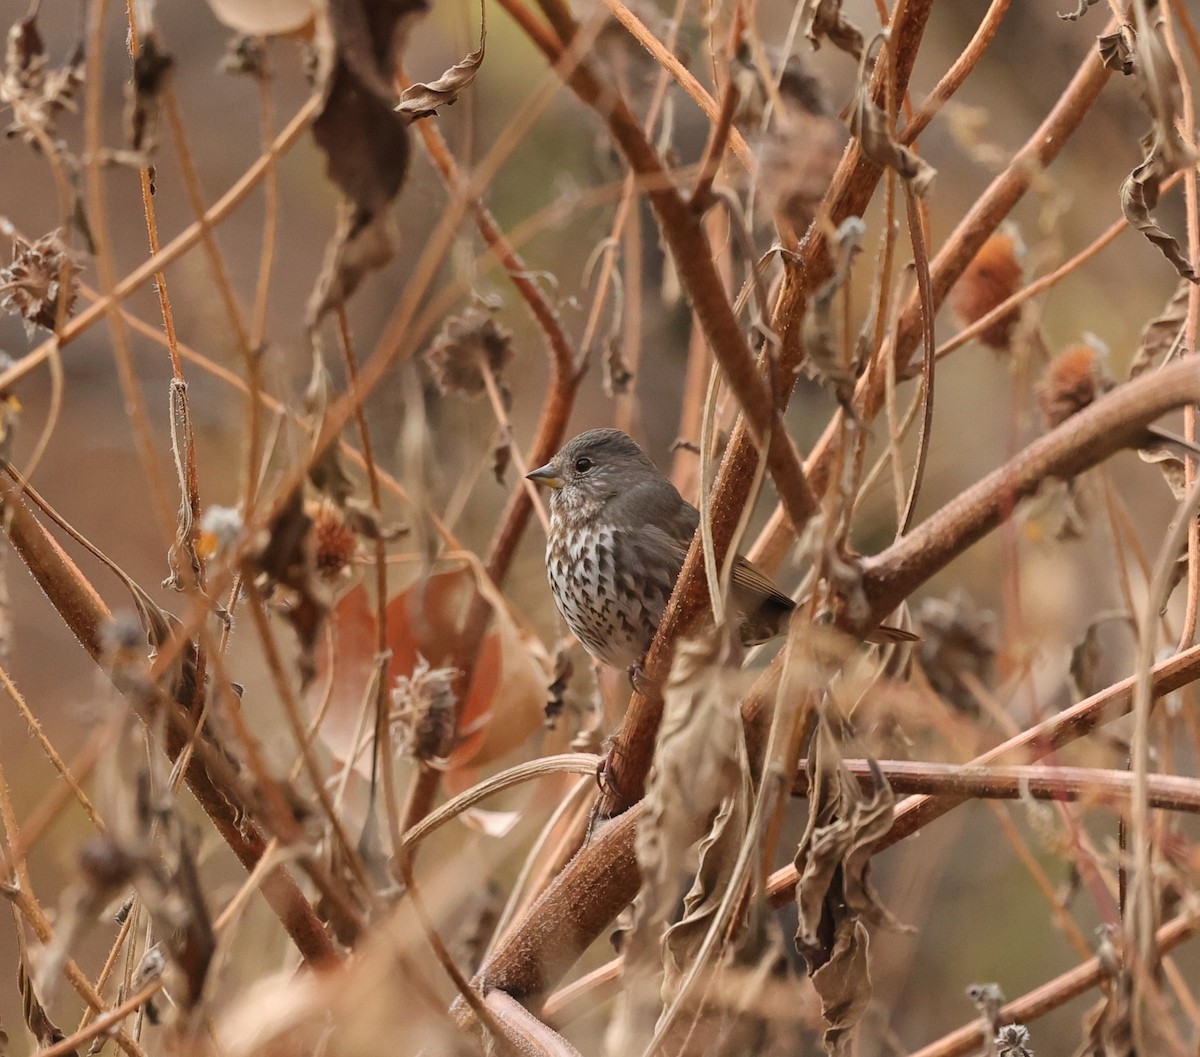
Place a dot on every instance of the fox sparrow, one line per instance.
(619, 531)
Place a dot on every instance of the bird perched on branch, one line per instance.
(619, 532)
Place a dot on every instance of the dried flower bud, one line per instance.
(220, 527)
(335, 542)
(40, 280)
(466, 346)
(1075, 377)
(423, 712)
(992, 277)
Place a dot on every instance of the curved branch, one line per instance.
(1114, 422)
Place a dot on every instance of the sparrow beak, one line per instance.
(545, 475)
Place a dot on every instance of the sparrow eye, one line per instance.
(583, 464)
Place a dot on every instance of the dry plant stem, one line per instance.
(47, 746)
(1053, 994)
(171, 252)
(1083, 440)
(105, 1023)
(85, 614)
(1015, 781)
(591, 890)
(959, 71)
(98, 221)
(381, 756)
(984, 217)
(672, 65)
(1038, 741)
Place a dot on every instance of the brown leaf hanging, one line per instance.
(870, 125)
(422, 100)
(1139, 195)
(364, 140)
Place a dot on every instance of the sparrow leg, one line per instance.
(639, 680)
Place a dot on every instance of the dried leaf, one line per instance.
(37, 1019)
(288, 559)
(834, 895)
(1139, 195)
(823, 360)
(1116, 51)
(150, 69)
(422, 100)
(1162, 337)
(870, 125)
(36, 92)
(41, 283)
(698, 790)
(365, 142)
(1169, 464)
(466, 346)
(183, 548)
(823, 19)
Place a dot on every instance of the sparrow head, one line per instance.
(594, 467)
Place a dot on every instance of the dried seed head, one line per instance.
(993, 276)
(1074, 378)
(40, 280)
(423, 712)
(34, 91)
(335, 542)
(466, 346)
(801, 151)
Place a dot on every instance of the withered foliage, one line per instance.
(423, 100)
(364, 140)
(834, 895)
(468, 345)
(36, 92)
(41, 283)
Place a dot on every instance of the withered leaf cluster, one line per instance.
(41, 283)
(468, 345)
(364, 140)
(37, 92)
(834, 896)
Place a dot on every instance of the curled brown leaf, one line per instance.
(422, 100)
(870, 124)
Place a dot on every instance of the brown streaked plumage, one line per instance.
(619, 532)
